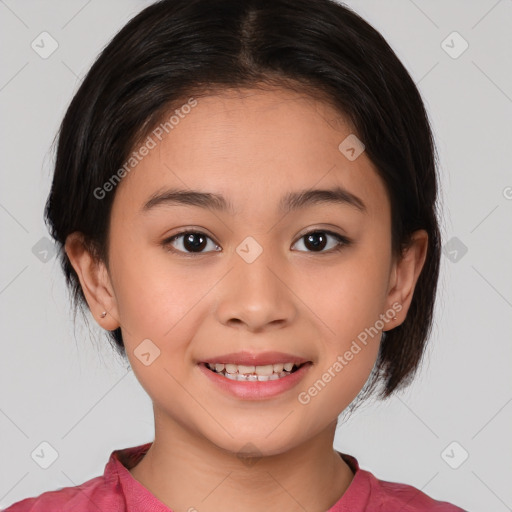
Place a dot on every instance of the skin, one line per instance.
(251, 146)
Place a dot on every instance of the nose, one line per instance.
(256, 296)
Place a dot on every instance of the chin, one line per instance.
(254, 445)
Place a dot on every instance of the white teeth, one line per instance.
(266, 370)
(231, 368)
(260, 373)
(246, 369)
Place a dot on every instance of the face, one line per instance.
(251, 278)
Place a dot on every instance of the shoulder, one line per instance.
(95, 494)
(390, 496)
(110, 491)
(396, 496)
(367, 492)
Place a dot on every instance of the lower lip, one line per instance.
(259, 389)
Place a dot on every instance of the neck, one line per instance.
(185, 471)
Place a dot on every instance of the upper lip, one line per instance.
(256, 359)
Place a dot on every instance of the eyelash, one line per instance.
(342, 242)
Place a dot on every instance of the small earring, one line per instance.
(103, 315)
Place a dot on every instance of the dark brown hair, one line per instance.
(176, 49)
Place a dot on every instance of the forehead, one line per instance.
(252, 146)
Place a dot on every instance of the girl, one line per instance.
(245, 199)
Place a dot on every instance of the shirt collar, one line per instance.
(117, 474)
(137, 497)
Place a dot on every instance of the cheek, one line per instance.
(151, 297)
(349, 299)
(348, 303)
(349, 295)
(164, 303)
(149, 301)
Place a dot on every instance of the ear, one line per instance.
(405, 275)
(94, 280)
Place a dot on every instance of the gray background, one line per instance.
(70, 391)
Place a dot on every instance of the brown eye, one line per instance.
(190, 242)
(316, 241)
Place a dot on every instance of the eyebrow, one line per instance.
(290, 202)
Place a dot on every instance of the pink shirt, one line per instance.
(118, 491)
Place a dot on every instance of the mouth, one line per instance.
(249, 375)
(254, 373)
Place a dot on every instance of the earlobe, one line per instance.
(94, 280)
(405, 275)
